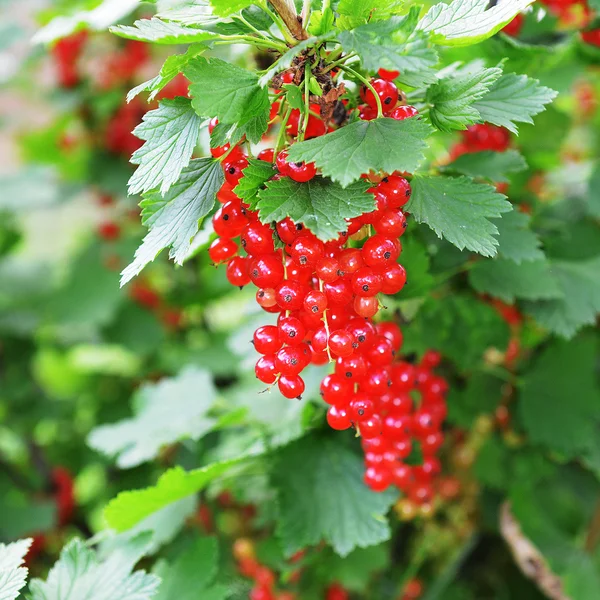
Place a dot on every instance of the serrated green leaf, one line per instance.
(459, 210)
(173, 219)
(508, 280)
(466, 22)
(415, 260)
(493, 166)
(220, 89)
(391, 45)
(564, 370)
(80, 574)
(293, 96)
(580, 303)
(166, 412)
(170, 133)
(253, 130)
(453, 96)
(353, 13)
(13, 576)
(379, 145)
(322, 497)
(255, 175)
(192, 575)
(321, 21)
(224, 8)
(517, 241)
(321, 205)
(157, 31)
(514, 99)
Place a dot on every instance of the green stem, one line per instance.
(257, 31)
(248, 39)
(368, 84)
(337, 63)
(281, 134)
(325, 5)
(306, 116)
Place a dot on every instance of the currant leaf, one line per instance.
(341, 509)
(256, 174)
(220, 89)
(170, 133)
(224, 8)
(507, 280)
(173, 219)
(321, 205)
(466, 22)
(378, 145)
(493, 166)
(353, 13)
(157, 31)
(514, 99)
(13, 576)
(459, 210)
(517, 241)
(593, 195)
(453, 96)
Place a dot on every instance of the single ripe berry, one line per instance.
(336, 389)
(387, 92)
(393, 279)
(266, 339)
(265, 298)
(288, 231)
(268, 155)
(306, 250)
(396, 189)
(302, 171)
(363, 333)
(291, 330)
(327, 269)
(366, 282)
(290, 360)
(265, 369)
(315, 302)
(340, 343)
(290, 295)
(351, 367)
(222, 249)
(404, 112)
(338, 293)
(257, 239)
(392, 223)
(237, 271)
(370, 427)
(378, 479)
(266, 271)
(392, 332)
(338, 418)
(233, 170)
(291, 386)
(361, 407)
(366, 307)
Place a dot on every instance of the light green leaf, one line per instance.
(593, 195)
(353, 13)
(157, 31)
(379, 145)
(514, 99)
(170, 133)
(80, 574)
(220, 89)
(224, 8)
(321, 205)
(561, 386)
(13, 576)
(453, 96)
(459, 210)
(98, 18)
(508, 280)
(493, 166)
(580, 303)
(321, 21)
(173, 220)
(517, 241)
(293, 96)
(466, 22)
(166, 412)
(322, 497)
(256, 174)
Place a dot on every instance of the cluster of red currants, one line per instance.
(66, 53)
(484, 136)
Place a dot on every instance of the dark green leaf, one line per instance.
(321, 205)
(593, 195)
(378, 145)
(415, 260)
(493, 166)
(256, 174)
(517, 241)
(459, 210)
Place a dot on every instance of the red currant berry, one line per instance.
(336, 389)
(351, 367)
(288, 231)
(290, 295)
(378, 479)
(396, 189)
(315, 302)
(338, 418)
(237, 271)
(340, 343)
(393, 279)
(291, 330)
(266, 298)
(366, 307)
(370, 427)
(265, 369)
(266, 271)
(229, 221)
(392, 223)
(388, 75)
(338, 293)
(392, 332)
(366, 282)
(302, 171)
(222, 249)
(404, 112)
(306, 250)
(290, 360)
(257, 239)
(266, 339)
(268, 155)
(327, 269)
(387, 92)
(291, 386)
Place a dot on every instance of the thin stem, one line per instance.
(337, 63)
(326, 324)
(248, 39)
(368, 84)
(280, 24)
(286, 10)
(250, 26)
(281, 134)
(306, 103)
(305, 14)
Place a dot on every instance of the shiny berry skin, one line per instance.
(291, 386)
(229, 221)
(288, 231)
(327, 269)
(266, 271)
(377, 381)
(367, 113)
(431, 359)
(222, 249)
(282, 163)
(290, 360)
(338, 293)
(387, 92)
(315, 302)
(363, 333)
(381, 352)
(233, 170)
(351, 367)
(338, 418)
(392, 223)
(393, 279)
(404, 112)
(377, 479)
(396, 189)
(340, 343)
(306, 250)
(366, 307)
(350, 260)
(265, 298)
(366, 282)
(257, 239)
(291, 330)
(268, 155)
(301, 172)
(379, 251)
(397, 427)
(265, 369)
(388, 75)
(392, 332)
(336, 389)
(361, 407)
(237, 271)
(266, 339)
(370, 427)
(290, 295)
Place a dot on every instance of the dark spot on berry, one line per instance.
(299, 164)
(348, 373)
(408, 193)
(361, 338)
(288, 298)
(254, 272)
(293, 361)
(292, 334)
(243, 242)
(299, 227)
(315, 309)
(361, 411)
(388, 100)
(232, 170)
(389, 383)
(387, 255)
(303, 260)
(385, 179)
(355, 345)
(365, 288)
(261, 294)
(225, 217)
(340, 273)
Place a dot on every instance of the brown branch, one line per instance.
(287, 11)
(593, 533)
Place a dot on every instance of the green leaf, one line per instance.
(191, 576)
(166, 412)
(508, 280)
(255, 175)
(225, 133)
(593, 195)
(322, 497)
(293, 96)
(479, 396)
(321, 21)
(13, 576)
(561, 386)
(452, 97)
(220, 89)
(170, 133)
(493, 166)
(157, 31)
(173, 220)
(80, 574)
(517, 241)
(514, 99)
(379, 145)
(387, 44)
(224, 8)
(459, 210)
(131, 507)
(99, 18)
(580, 302)
(321, 205)
(442, 326)
(353, 13)
(415, 260)
(466, 22)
